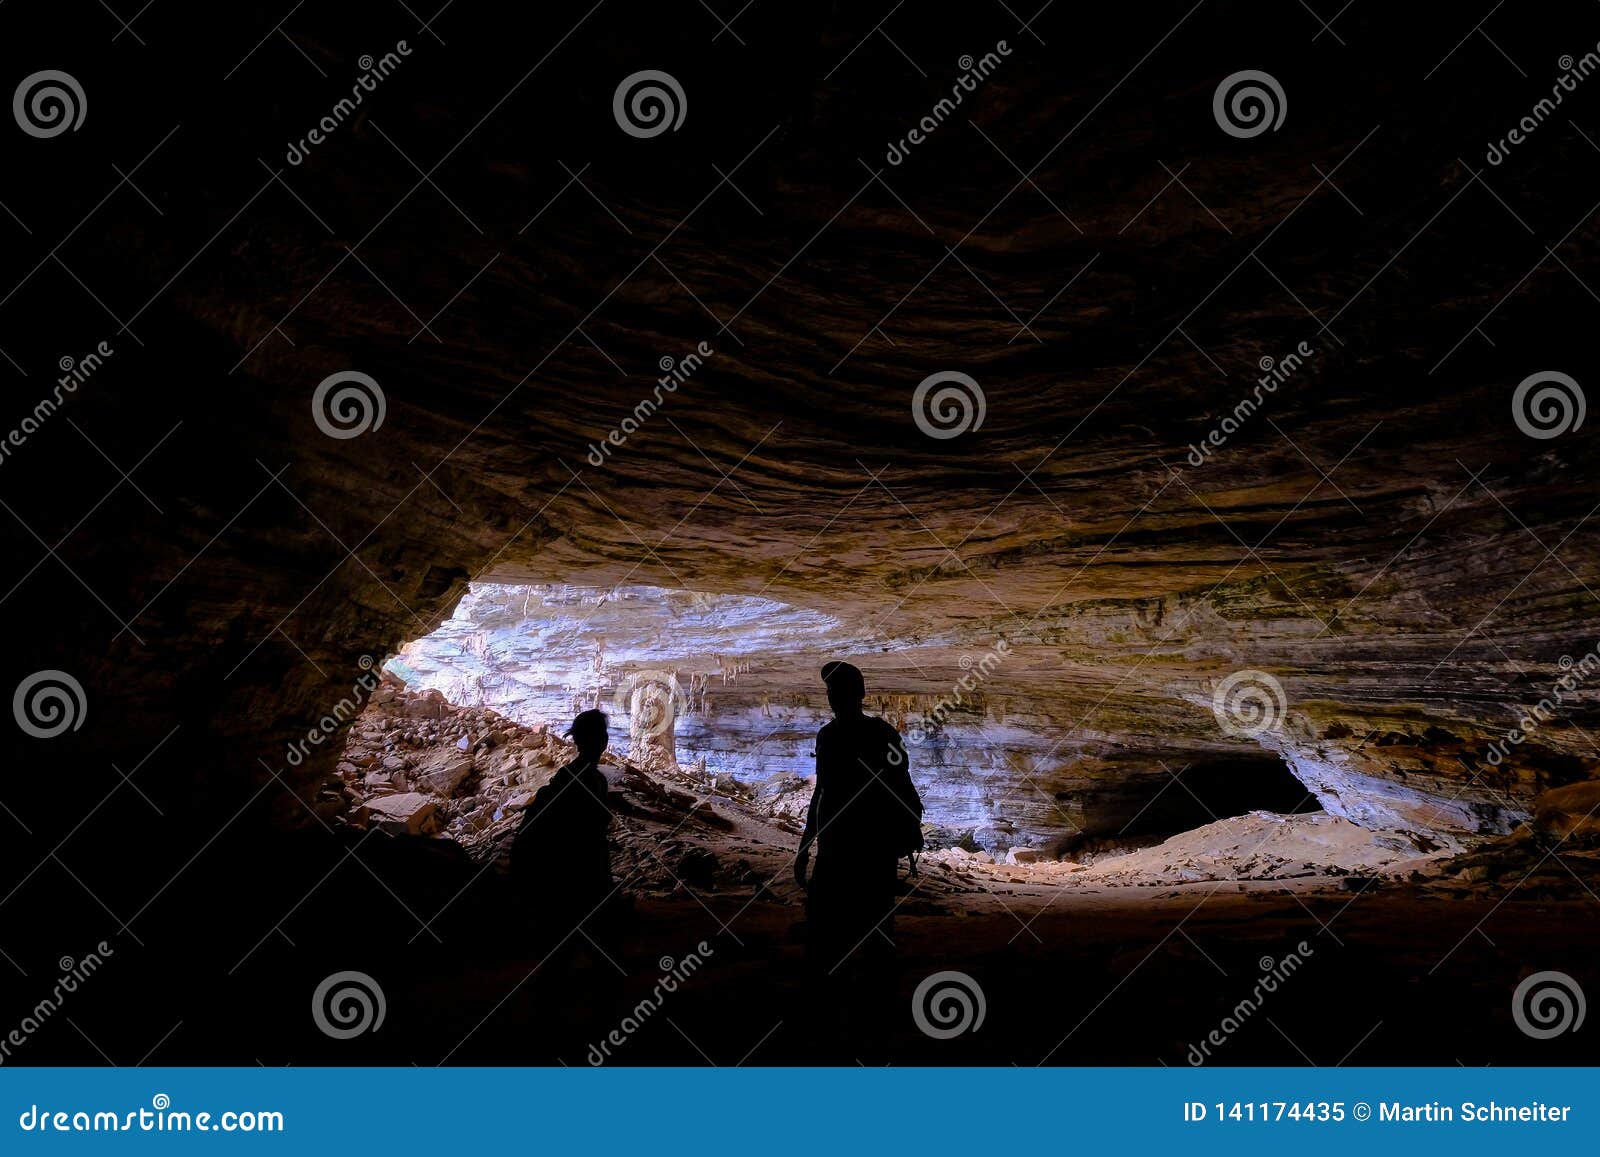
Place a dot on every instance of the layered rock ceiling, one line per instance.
(1079, 237)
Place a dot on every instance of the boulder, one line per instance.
(429, 705)
(1024, 856)
(1570, 812)
(410, 814)
(384, 782)
(443, 777)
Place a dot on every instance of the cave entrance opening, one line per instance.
(711, 694)
(714, 702)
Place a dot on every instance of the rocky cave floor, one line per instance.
(1131, 958)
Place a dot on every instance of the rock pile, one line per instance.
(1555, 854)
(1269, 846)
(1257, 846)
(417, 765)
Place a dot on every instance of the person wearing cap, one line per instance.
(864, 815)
(561, 855)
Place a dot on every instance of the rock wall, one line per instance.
(1383, 538)
(729, 685)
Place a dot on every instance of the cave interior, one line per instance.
(634, 422)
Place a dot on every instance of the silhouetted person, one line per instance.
(561, 856)
(864, 815)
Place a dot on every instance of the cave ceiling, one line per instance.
(1110, 270)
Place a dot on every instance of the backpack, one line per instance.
(878, 801)
(901, 806)
(906, 815)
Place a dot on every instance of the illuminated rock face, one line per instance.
(729, 685)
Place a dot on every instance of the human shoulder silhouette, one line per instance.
(561, 854)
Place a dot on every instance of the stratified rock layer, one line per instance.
(1378, 533)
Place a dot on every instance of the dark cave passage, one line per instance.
(1144, 810)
